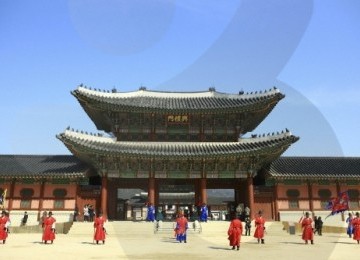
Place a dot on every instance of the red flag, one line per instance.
(339, 204)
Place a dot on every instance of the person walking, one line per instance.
(235, 232)
(49, 229)
(260, 228)
(181, 228)
(319, 226)
(356, 226)
(349, 229)
(99, 229)
(247, 226)
(4, 222)
(203, 213)
(306, 225)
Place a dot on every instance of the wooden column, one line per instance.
(203, 194)
(276, 206)
(104, 195)
(41, 199)
(197, 193)
(250, 187)
(151, 190)
(310, 195)
(11, 194)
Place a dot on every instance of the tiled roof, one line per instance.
(109, 146)
(315, 167)
(145, 100)
(41, 166)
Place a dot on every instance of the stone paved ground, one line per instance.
(136, 240)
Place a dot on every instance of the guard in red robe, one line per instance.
(234, 232)
(260, 228)
(99, 230)
(356, 227)
(181, 227)
(306, 225)
(4, 221)
(48, 228)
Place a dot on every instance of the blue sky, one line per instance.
(308, 49)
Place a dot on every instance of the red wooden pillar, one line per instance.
(41, 199)
(276, 206)
(250, 195)
(151, 191)
(197, 193)
(104, 195)
(11, 194)
(310, 195)
(203, 194)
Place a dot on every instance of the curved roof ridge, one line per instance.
(143, 92)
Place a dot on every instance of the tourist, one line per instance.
(181, 228)
(86, 213)
(315, 224)
(24, 219)
(247, 226)
(99, 229)
(319, 226)
(259, 228)
(356, 227)
(4, 226)
(203, 213)
(49, 229)
(349, 229)
(235, 232)
(306, 225)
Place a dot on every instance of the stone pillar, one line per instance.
(250, 187)
(104, 195)
(151, 191)
(203, 194)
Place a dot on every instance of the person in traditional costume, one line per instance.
(181, 228)
(4, 226)
(150, 213)
(259, 228)
(49, 229)
(306, 225)
(203, 213)
(356, 226)
(349, 229)
(99, 229)
(235, 232)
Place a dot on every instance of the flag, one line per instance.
(338, 204)
(2, 198)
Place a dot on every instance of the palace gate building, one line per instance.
(174, 141)
(175, 149)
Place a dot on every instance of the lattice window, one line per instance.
(25, 203)
(59, 204)
(293, 204)
(324, 194)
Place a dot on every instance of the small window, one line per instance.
(25, 204)
(324, 194)
(59, 204)
(354, 204)
(293, 204)
(26, 193)
(293, 193)
(59, 193)
(324, 204)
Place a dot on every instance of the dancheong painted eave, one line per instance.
(145, 100)
(95, 144)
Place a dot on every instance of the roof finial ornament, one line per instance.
(142, 87)
(114, 90)
(241, 92)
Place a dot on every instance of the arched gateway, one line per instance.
(175, 144)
